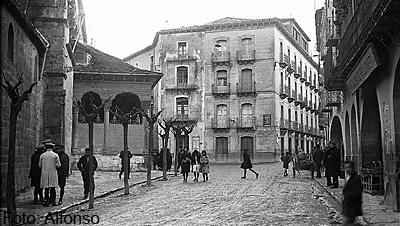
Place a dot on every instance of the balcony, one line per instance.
(297, 73)
(220, 57)
(301, 128)
(372, 19)
(184, 118)
(308, 105)
(221, 90)
(179, 57)
(182, 85)
(246, 89)
(294, 126)
(246, 123)
(298, 100)
(284, 124)
(221, 123)
(246, 56)
(292, 96)
(303, 103)
(284, 91)
(312, 86)
(334, 98)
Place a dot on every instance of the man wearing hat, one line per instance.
(83, 166)
(49, 162)
(35, 173)
(63, 171)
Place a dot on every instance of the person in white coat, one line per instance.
(49, 162)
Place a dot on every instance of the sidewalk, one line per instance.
(375, 213)
(105, 183)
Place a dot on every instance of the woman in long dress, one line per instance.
(246, 164)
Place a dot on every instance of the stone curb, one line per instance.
(64, 209)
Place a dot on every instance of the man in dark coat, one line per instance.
(63, 171)
(35, 173)
(318, 155)
(334, 161)
(286, 160)
(161, 159)
(121, 155)
(352, 195)
(169, 159)
(327, 165)
(83, 166)
(246, 164)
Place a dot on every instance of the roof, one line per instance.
(101, 62)
(36, 37)
(230, 22)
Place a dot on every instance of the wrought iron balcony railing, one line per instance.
(221, 90)
(283, 91)
(244, 88)
(246, 55)
(221, 123)
(220, 56)
(246, 122)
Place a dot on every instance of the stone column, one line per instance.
(106, 122)
(75, 115)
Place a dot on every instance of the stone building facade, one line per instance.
(362, 69)
(107, 76)
(249, 84)
(23, 50)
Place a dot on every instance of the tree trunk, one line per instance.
(125, 157)
(150, 152)
(165, 145)
(91, 170)
(11, 206)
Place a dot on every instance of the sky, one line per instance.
(122, 27)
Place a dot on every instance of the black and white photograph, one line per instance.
(184, 112)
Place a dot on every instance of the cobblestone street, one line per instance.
(225, 199)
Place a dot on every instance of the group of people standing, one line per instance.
(330, 159)
(50, 169)
(196, 162)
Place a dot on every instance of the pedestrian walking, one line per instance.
(196, 164)
(49, 162)
(121, 155)
(62, 171)
(83, 166)
(286, 160)
(332, 165)
(169, 160)
(246, 164)
(318, 156)
(204, 167)
(185, 164)
(35, 173)
(351, 195)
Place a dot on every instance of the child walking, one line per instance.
(204, 168)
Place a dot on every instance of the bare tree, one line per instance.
(166, 126)
(90, 108)
(15, 107)
(151, 119)
(124, 106)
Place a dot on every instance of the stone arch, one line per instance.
(371, 141)
(348, 151)
(336, 135)
(394, 199)
(354, 136)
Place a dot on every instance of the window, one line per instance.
(289, 114)
(222, 115)
(182, 49)
(247, 115)
(282, 112)
(222, 145)
(296, 34)
(10, 43)
(36, 70)
(223, 46)
(222, 79)
(182, 76)
(246, 43)
(151, 63)
(182, 107)
(280, 52)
